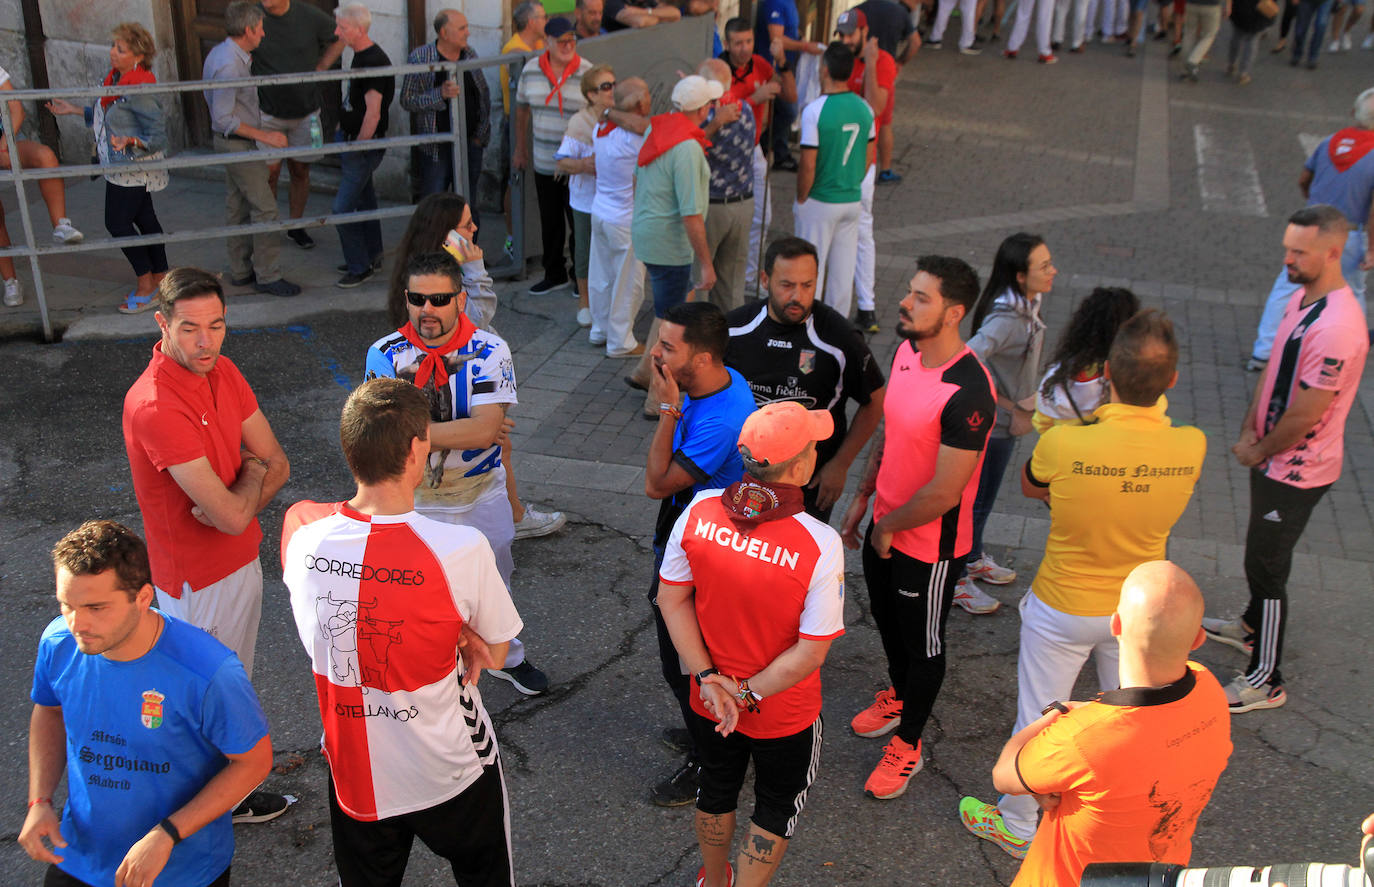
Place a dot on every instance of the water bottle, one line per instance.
(316, 132)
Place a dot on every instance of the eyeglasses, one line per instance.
(605, 87)
(438, 300)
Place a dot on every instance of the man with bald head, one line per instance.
(1124, 778)
(1115, 488)
(427, 97)
(731, 129)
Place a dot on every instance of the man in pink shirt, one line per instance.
(1292, 440)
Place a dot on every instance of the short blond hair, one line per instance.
(138, 40)
(592, 73)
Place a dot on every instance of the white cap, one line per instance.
(693, 91)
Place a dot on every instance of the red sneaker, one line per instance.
(900, 762)
(729, 876)
(880, 718)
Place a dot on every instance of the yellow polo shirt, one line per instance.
(514, 44)
(1116, 489)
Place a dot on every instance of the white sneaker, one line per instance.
(968, 595)
(1346, 43)
(1241, 697)
(1335, 45)
(13, 294)
(1368, 42)
(65, 233)
(987, 569)
(539, 523)
(584, 317)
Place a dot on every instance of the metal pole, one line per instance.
(517, 186)
(13, 144)
(458, 126)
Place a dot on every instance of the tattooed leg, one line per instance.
(759, 857)
(715, 832)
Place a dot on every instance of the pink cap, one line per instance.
(778, 431)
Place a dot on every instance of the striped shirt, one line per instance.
(549, 123)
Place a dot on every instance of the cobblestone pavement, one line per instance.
(1176, 190)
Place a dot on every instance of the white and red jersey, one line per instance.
(379, 603)
(759, 587)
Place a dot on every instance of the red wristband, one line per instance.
(36, 801)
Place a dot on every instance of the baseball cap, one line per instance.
(693, 91)
(850, 21)
(778, 431)
(556, 27)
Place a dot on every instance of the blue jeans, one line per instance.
(436, 174)
(995, 460)
(1310, 15)
(361, 241)
(670, 285)
(1283, 291)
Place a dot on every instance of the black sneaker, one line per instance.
(260, 807)
(677, 738)
(300, 238)
(866, 321)
(251, 279)
(348, 281)
(678, 789)
(546, 286)
(523, 677)
(376, 265)
(787, 164)
(279, 287)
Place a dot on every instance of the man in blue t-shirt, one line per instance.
(694, 448)
(778, 20)
(153, 719)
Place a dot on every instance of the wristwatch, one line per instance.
(704, 674)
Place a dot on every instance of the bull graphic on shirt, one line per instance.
(346, 624)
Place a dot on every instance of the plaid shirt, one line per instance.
(420, 96)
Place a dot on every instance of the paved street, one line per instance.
(1177, 190)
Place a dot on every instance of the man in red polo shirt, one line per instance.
(753, 80)
(204, 462)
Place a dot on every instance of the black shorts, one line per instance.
(471, 831)
(784, 769)
(55, 877)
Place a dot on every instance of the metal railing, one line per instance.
(457, 138)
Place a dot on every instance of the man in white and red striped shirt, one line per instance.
(399, 614)
(752, 591)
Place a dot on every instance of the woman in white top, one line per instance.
(574, 159)
(1074, 385)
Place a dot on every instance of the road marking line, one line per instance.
(1226, 173)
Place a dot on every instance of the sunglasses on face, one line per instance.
(605, 87)
(438, 300)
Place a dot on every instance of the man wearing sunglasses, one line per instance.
(469, 378)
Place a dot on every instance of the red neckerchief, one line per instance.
(1349, 145)
(432, 365)
(751, 501)
(546, 65)
(605, 129)
(666, 132)
(138, 75)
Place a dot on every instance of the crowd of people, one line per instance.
(402, 593)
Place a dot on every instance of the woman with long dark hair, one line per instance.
(1007, 335)
(1074, 385)
(435, 217)
(128, 129)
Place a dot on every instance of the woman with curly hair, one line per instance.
(1074, 385)
(130, 128)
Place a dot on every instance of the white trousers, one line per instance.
(1114, 16)
(834, 230)
(763, 217)
(490, 515)
(967, 18)
(1054, 648)
(865, 256)
(229, 609)
(615, 287)
(1076, 35)
(1043, 11)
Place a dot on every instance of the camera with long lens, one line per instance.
(1291, 874)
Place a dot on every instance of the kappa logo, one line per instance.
(151, 715)
(976, 420)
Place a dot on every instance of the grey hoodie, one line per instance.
(1008, 343)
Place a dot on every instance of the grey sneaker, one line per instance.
(1242, 697)
(1231, 632)
(988, 570)
(968, 595)
(65, 233)
(539, 523)
(13, 294)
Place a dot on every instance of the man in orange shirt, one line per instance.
(1125, 777)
